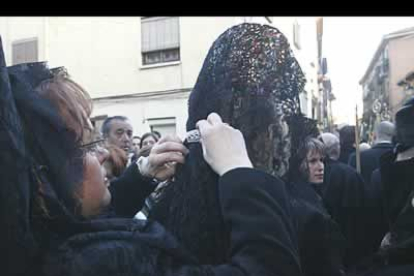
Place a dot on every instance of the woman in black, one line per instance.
(321, 243)
(52, 190)
(396, 254)
(252, 80)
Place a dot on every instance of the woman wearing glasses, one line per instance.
(53, 188)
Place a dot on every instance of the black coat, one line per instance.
(396, 180)
(370, 159)
(345, 153)
(256, 211)
(375, 206)
(321, 243)
(343, 195)
(129, 191)
(376, 224)
(401, 270)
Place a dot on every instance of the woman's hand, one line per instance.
(163, 158)
(224, 148)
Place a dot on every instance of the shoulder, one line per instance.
(381, 148)
(343, 168)
(97, 255)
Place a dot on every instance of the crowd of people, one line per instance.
(263, 192)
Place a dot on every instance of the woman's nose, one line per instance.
(321, 166)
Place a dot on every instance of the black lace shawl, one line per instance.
(16, 236)
(252, 80)
(29, 126)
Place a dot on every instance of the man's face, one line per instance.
(148, 141)
(120, 134)
(135, 144)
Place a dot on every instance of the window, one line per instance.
(165, 126)
(25, 51)
(160, 40)
(296, 34)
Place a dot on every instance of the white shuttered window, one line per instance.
(160, 39)
(25, 51)
(165, 126)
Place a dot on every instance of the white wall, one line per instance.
(307, 57)
(139, 110)
(197, 34)
(104, 55)
(18, 28)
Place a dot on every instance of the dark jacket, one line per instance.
(402, 270)
(396, 180)
(255, 209)
(129, 191)
(321, 243)
(345, 153)
(375, 206)
(343, 195)
(370, 159)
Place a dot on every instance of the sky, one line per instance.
(349, 44)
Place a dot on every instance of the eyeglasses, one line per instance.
(93, 147)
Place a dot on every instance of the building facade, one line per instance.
(322, 100)
(143, 67)
(382, 94)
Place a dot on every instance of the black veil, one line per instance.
(251, 78)
(16, 236)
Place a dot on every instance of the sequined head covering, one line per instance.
(252, 80)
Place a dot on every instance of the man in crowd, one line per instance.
(117, 131)
(370, 158)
